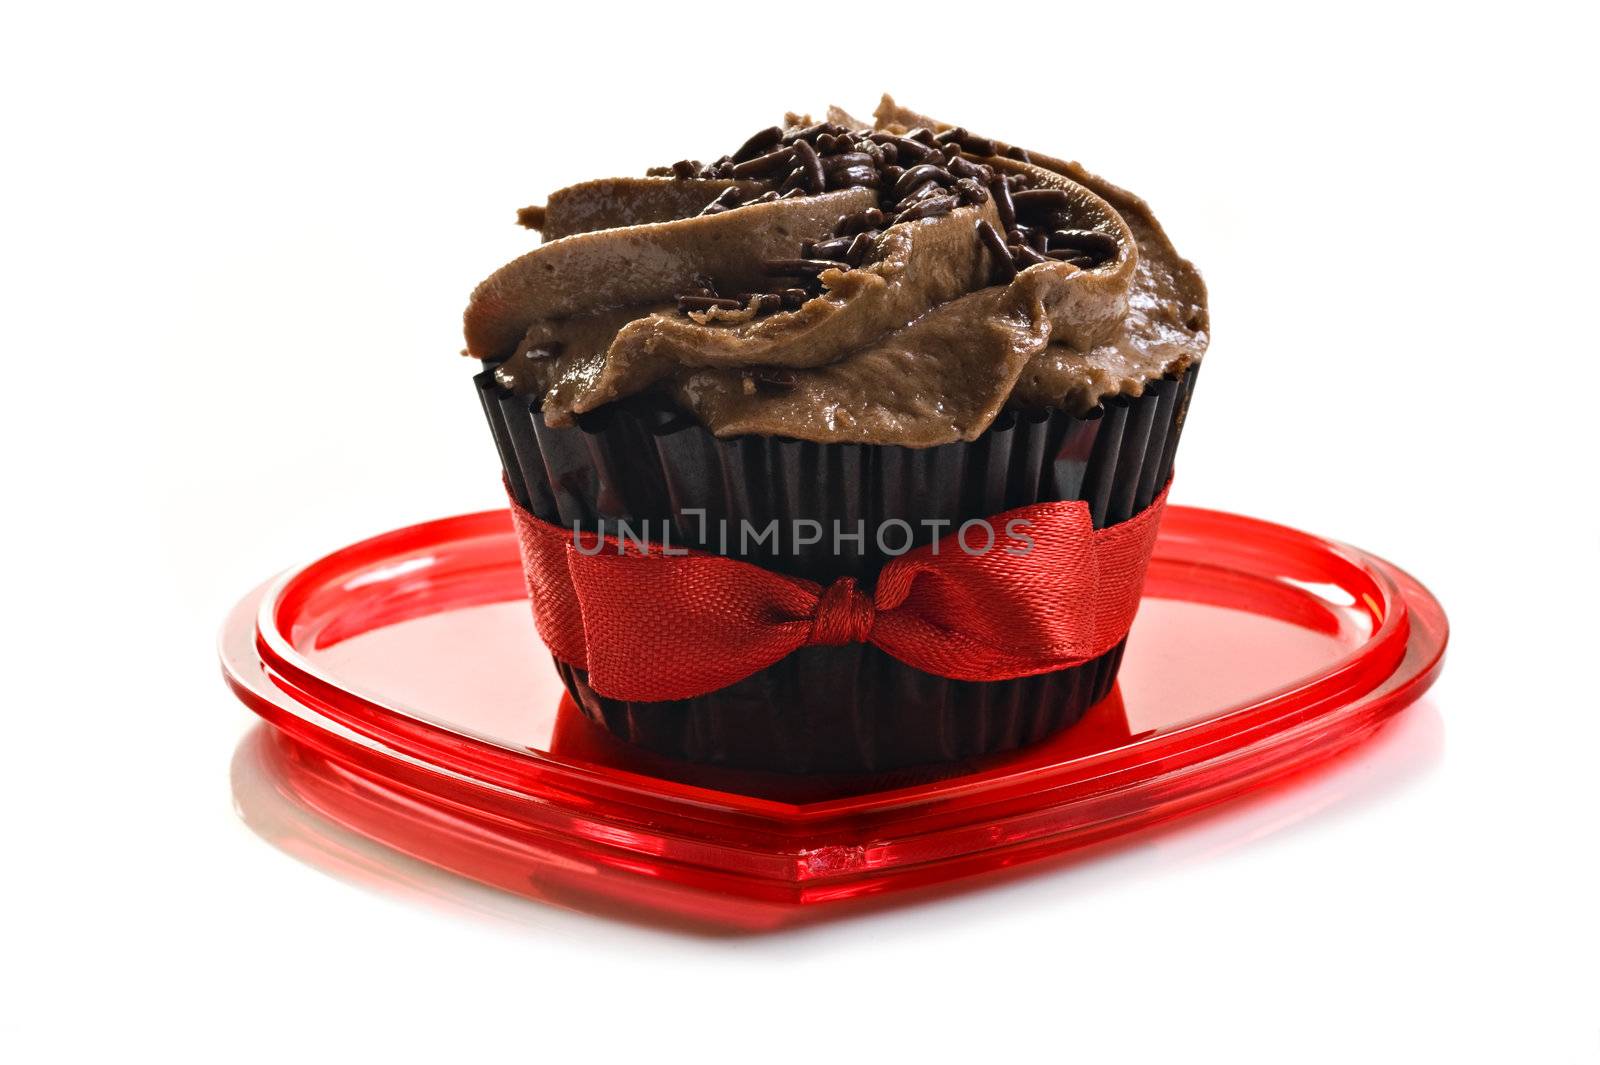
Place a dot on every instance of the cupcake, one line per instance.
(840, 343)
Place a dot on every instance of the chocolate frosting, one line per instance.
(915, 346)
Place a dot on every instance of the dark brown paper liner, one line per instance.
(853, 708)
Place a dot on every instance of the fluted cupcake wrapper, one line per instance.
(852, 708)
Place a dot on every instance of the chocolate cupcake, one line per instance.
(841, 328)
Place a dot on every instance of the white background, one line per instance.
(236, 246)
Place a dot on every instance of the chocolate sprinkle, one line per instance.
(801, 267)
(928, 208)
(762, 165)
(1025, 256)
(706, 303)
(907, 182)
(832, 248)
(853, 177)
(726, 200)
(1001, 191)
(1091, 241)
(858, 222)
(764, 301)
(1004, 267)
(962, 167)
(1032, 200)
(812, 166)
(759, 144)
(856, 253)
(844, 160)
(812, 132)
(967, 142)
(922, 192)
(915, 151)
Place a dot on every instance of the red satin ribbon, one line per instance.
(649, 626)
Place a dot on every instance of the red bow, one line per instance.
(651, 625)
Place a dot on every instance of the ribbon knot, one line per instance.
(845, 614)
